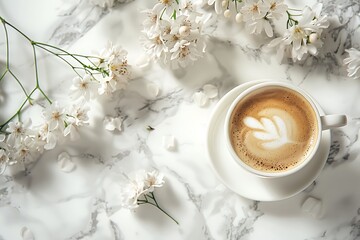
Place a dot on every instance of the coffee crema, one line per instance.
(273, 129)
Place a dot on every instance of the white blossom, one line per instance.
(130, 194)
(353, 63)
(140, 183)
(23, 150)
(186, 52)
(296, 42)
(257, 26)
(253, 10)
(169, 6)
(107, 86)
(84, 87)
(17, 131)
(178, 41)
(54, 115)
(277, 8)
(153, 179)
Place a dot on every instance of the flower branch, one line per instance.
(20, 141)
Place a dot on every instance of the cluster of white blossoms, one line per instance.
(256, 14)
(22, 141)
(304, 28)
(173, 33)
(303, 37)
(115, 70)
(143, 183)
(353, 63)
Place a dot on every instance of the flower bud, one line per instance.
(224, 3)
(313, 37)
(238, 18)
(184, 31)
(227, 13)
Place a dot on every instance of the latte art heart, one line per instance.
(272, 131)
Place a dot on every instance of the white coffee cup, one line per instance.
(321, 122)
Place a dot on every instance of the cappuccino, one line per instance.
(273, 129)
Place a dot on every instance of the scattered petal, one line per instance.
(169, 142)
(312, 206)
(65, 162)
(200, 99)
(210, 91)
(153, 89)
(113, 123)
(26, 234)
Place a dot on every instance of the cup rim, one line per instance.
(248, 91)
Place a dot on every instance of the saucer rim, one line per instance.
(325, 140)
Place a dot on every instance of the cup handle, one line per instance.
(333, 121)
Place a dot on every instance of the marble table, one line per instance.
(43, 202)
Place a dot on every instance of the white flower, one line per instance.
(112, 52)
(83, 88)
(152, 180)
(50, 137)
(154, 45)
(218, 5)
(353, 63)
(258, 25)
(54, 116)
(253, 10)
(130, 194)
(302, 38)
(119, 71)
(186, 52)
(276, 8)
(17, 132)
(169, 5)
(37, 142)
(103, 3)
(153, 15)
(107, 86)
(23, 150)
(113, 123)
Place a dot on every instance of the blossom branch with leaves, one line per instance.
(103, 74)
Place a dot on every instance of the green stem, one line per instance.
(157, 205)
(162, 210)
(18, 111)
(18, 81)
(2, 76)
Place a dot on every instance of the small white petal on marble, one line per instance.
(210, 91)
(169, 142)
(26, 234)
(153, 89)
(113, 123)
(313, 207)
(201, 99)
(65, 163)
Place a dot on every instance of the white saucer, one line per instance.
(245, 184)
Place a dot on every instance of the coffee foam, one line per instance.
(273, 129)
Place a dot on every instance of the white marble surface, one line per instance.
(53, 204)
